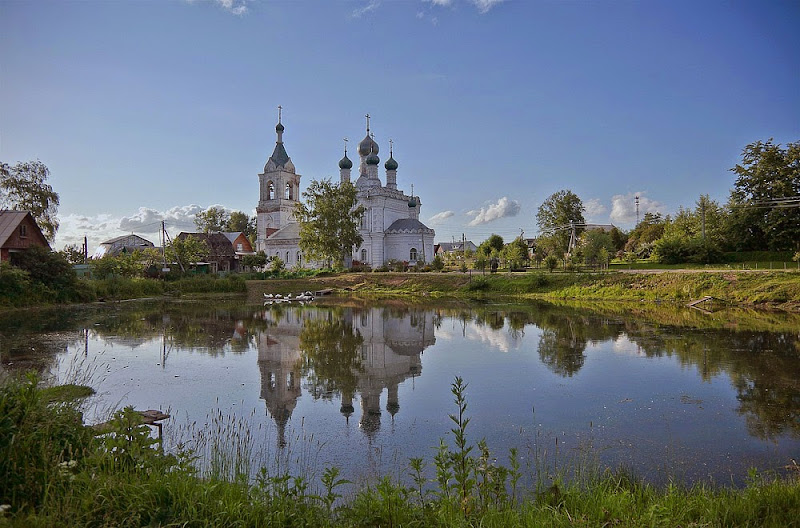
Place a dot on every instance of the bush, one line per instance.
(37, 442)
(438, 263)
(680, 250)
(551, 262)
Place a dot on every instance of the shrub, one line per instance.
(551, 262)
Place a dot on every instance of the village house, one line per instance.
(454, 249)
(18, 232)
(222, 257)
(122, 244)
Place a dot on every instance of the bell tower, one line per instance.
(279, 189)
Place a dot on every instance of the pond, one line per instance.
(668, 393)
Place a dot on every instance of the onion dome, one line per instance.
(345, 162)
(412, 202)
(367, 145)
(373, 158)
(279, 127)
(390, 164)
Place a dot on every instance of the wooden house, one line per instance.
(18, 232)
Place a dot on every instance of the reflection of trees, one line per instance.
(330, 352)
(764, 368)
(561, 352)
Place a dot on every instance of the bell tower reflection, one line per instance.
(280, 363)
(346, 352)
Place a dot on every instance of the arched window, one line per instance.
(412, 254)
(287, 257)
(270, 191)
(363, 256)
(288, 194)
(299, 259)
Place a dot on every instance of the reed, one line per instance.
(54, 472)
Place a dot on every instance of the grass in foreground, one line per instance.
(55, 472)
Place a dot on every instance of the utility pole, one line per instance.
(637, 210)
(703, 209)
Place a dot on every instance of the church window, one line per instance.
(363, 256)
(270, 191)
(287, 257)
(412, 254)
(299, 259)
(288, 194)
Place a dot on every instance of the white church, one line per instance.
(390, 227)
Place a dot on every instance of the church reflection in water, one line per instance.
(346, 353)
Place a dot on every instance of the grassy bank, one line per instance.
(772, 289)
(17, 291)
(56, 472)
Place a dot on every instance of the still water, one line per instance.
(668, 393)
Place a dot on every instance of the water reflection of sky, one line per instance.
(367, 387)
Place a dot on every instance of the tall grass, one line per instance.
(63, 476)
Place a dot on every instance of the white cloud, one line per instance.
(234, 7)
(504, 207)
(623, 207)
(361, 11)
(594, 207)
(438, 218)
(485, 5)
(145, 222)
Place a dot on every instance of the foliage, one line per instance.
(73, 253)
(212, 219)
(767, 173)
(133, 264)
(276, 265)
(255, 261)
(37, 441)
(675, 250)
(50, 269)
(186, 251)
(595, 246)
(24, 187)
(492, 246)
(707, 217)
(559, 210)
(641, 239)
(515, 253)
(437, 263)
(239, 221)
(331, 348)
(551, 262)
(329, 220)
(53, 474)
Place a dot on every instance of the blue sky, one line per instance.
(158, 109)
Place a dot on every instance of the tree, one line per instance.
(596, 245)
(73, 253)
(187, 250)
(239, 221)
(515, 253)
(559, 210)
(48, 268)
(492, 246)
(24, 187)
(255, 261)
(212, 220)
(767, 175)
(641, 239)
(329, 220)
